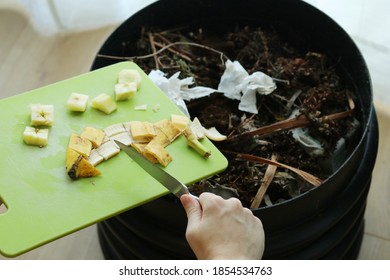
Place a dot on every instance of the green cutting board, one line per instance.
(43, 203)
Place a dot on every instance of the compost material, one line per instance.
(306, 125)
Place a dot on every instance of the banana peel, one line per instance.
(169, 129)
(93, 146)
(80, 144)
(194, 143)
(159, 153)
(142, 132)
(140, 148)
(78, 167)
(160, 138)
(77, 154)
(94, 135)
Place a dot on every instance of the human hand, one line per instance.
(222, 229)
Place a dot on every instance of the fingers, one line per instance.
(192, 207)
(215, 203)
(222, 229)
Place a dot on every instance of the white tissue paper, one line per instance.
(230, 81)
(311, 145)
(178, 90)
(236, 83)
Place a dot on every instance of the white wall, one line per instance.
(368, 22)
(50, 17)
(366, 19)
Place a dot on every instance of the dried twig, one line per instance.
(307, 176)
(297, 122)
(175, 52)
(223, 57)
(152, 45)
(178, 51)
(268, 177)
(291, 101)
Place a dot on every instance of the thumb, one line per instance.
(192, 207)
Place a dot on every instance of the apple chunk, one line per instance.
(42, 115)
(36, 136)
(129, 76)
(125, 91)
(77, 102)
(104, 102)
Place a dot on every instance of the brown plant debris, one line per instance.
(312, 94)
(266, 181)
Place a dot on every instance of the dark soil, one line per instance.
(306, 80)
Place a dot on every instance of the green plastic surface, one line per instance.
(43, 203)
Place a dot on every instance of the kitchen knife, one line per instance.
(169, 182)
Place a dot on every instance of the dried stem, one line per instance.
(152, 45)
(268, 177)
(307, 176)
(222, 55)
(299, 121)
(242, 124)
(174, 52)
(186, 54)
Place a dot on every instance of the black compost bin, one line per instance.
(326, 222)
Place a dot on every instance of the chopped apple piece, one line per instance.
(104, 103)
(42, 115)
(77, 102)
(36, 136)
(129, 76)
(125, 91)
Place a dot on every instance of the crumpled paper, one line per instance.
(236, 83)
(231, 79)
(311, 145)
(178, 90)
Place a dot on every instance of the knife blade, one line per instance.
(168, 181)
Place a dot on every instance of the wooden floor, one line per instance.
(28, 61)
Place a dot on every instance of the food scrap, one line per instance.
(36, 136)
(41, 116)
(94, 146)
(129, 81)
(104, 102)
(77, 102)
